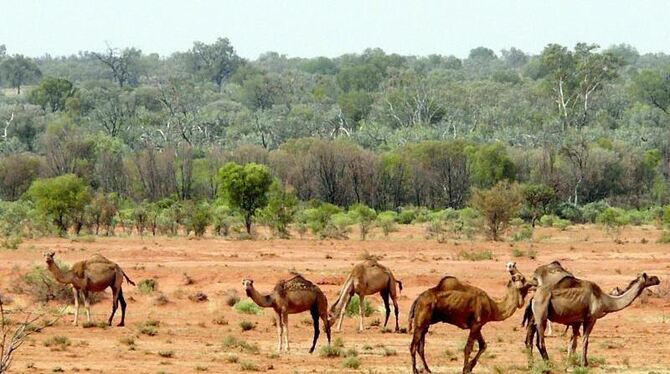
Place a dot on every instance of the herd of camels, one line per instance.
(558, 296)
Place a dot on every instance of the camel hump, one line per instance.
(447, 281)
(295, 283)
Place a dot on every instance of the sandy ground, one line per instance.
(635, 340)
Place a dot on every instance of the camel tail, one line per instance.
(127, 278)
(528, 315)
(399, 284)
(410, 319)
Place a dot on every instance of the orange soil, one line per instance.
(634, 340)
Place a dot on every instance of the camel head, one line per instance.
(49, 257)
(511, 267)
(649, 281)
(519, 283)
(247, 283)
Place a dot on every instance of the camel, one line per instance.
(92, 275)
(292, 296)
(367, 278)
(547, 274)
(464, 306)
(575, 302)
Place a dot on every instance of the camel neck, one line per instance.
(264, 301)
(506, 307)
(60, 275)
(616, 303)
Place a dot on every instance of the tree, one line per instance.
(52, 93)
(19, 70)
(215, 62)
(653, 87)
(365, 217)
(123, 64)
(245, 188)
(281, 209)
(538, 198)
(498, 206)
(62, 198)
(490, 163)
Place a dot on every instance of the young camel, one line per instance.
(367, 278)
(92, 275)
(575, 302)
(293, 296)
(464, 306)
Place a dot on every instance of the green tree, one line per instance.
(245, 188)
(19, 70)
(498, 206)
(538, 198)
(215, 62)
(653, 88)
(281, 209)
(62, 198)
(364, 216)
(490, 164)
(52, 93)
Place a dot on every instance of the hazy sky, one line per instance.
(306, 28)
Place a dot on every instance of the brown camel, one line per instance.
(293, 296)
(464, 306)
(367, 278)
(92, 275)
(575, 302)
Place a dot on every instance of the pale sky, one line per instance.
(307, 28)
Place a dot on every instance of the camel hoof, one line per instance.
(121, 324)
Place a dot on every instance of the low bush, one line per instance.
(354, 305)
(386, 222)
(147, 286)
(351, 363)
(247, 306)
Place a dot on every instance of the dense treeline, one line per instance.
(380, 129)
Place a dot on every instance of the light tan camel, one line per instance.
(464, 306)
(292, 296)
(575, 302)
(92, 275)
(367, 278)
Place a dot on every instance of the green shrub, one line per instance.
(547, 220)
(337, 227)
(561, 224)
(249, 366)
(317, 218)
(406, 215)
(147, 286)
(364, 216)
(351, 363)
(247, 306)
(435, 230)
(281, 209)
(353, 308)
(330, 351)
(148, 327)
(497, 205)
(58, 343)
(198, 218)
(613, 219)
(591, 211)
(246, 325)
(570, 212)
(40, 284)
(386, 221)
(665, 238)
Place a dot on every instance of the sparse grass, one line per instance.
(482, 255)
(231, 342)
(149, 327)
(166, 354)
(147, 286)
(330, 351)
(129, 341)
(338, 342)
(246, 325)
(247, 306)
(231, 297)
(100, 325)
(58, 343)
(160, 300)
(351, 363)
(233, 359)
(580, 370)
(249, 366)
(201, 368)
(541, 367)
(388, 352)
(450, 355)
(220, 320)
(351, 352)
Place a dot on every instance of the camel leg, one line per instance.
(115, 304)
(326, 324)
(285, 323)
(396, 311)
(422, 350)
(122, 300)
(481, 344)
(387, 306)
(414, 345)
(572, 343)
(280, 332)
(540, 308)
(75, 292)
(588, 327)
(314, 311)
(361, 310)
(468, 350)
(87, 306)
(550, 330)
(530, 335)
